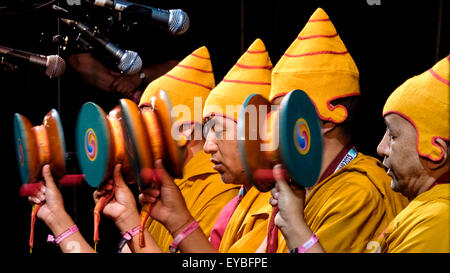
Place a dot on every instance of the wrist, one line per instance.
(296, 234)
(127, 221)
(183, 234)
(178, 226)
(59, 222)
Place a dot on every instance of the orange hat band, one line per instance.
(190, 82)
(246, 82)
(256, 51)
(316, 53)
(437, 76)
(268, 67)
(278, 95)
(329, 105)
(243, 66)
(194, 68)
(319, 20)
(200, 57)
(433, 139)
(317, 36)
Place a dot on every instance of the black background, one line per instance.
(389, 42)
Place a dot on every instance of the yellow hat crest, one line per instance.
(424, 101)
(192, 78)
(318, 63)
(251, 74)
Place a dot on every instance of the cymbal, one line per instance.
(100, 144)
(288, 134)
(300, 138)
(174, 158)
(93, 140)
(136, 139)
(150, 135)
(39, 145)
(250, 139)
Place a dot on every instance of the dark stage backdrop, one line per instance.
(390, 42)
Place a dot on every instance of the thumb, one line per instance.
(48, 178)
(162, 176)
(278, 173)
(117, 176)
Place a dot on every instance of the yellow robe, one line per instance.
(423, 226)
(204, 193)
(349, 207)
(247, 227)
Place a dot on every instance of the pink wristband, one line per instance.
(308, 244)
(180, 237)
(62, 236)
(127, 235)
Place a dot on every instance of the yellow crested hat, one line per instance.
(185, 84)
(250, 75)
(424, 101)
(318, 63)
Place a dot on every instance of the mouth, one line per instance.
(387, 167)
(391, 173)
(218, 166)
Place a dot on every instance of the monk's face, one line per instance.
(398, 147)
(221, 143)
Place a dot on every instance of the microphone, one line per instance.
(129, 61)
(55, 65)
(175, 21)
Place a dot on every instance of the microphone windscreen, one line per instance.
(130, 63)
(56, 66)
(178, 21)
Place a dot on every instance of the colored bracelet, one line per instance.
(183, 234)
(306, 246)
(62, 236)
(127, 236)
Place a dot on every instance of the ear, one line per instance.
(327, 126)
(433, 165)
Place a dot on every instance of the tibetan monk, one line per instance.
(188, 85)
(416, 150)
(352, 200)
(241, 226)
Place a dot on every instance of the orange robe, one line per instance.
(423, 226)
(247, 227)
(204, 193)
(346, 209)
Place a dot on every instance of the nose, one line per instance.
(383, 146)
(210, 146)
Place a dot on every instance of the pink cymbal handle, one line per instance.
(70, 180)
(29, 189)
(150, 176)
(147, 175)
(266, 175)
